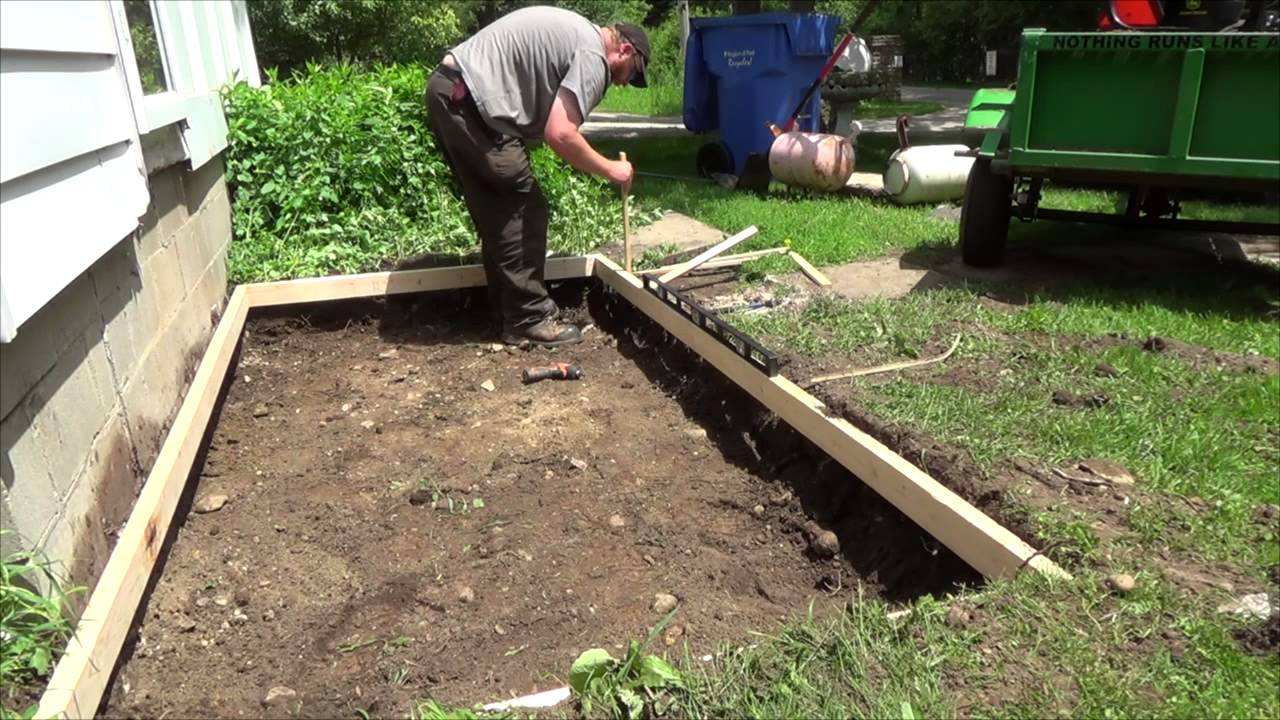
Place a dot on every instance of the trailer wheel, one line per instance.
(984, 217)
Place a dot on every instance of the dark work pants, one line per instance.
(505, 202)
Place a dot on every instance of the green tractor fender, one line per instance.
(986, 125)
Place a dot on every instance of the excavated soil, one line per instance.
(405, 519)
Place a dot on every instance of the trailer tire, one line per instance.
(713, 159)
(984, 216)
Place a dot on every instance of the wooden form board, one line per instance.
(980, 541)
(81, 675)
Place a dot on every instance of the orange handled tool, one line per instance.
(559, 371)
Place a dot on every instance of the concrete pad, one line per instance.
(887, 278)
(675, 229)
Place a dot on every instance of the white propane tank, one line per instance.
(855, 58)
(927, 174)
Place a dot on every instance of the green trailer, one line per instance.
(1152, 113)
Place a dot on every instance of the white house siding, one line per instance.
(114, 226)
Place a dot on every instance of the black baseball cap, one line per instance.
(634, 35)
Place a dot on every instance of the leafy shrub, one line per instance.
(336, 171)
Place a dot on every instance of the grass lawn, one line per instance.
(1198, 425)
(876, 109)
(657, 99)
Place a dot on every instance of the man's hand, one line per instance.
(621, 173)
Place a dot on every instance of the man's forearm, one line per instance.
(576, 151)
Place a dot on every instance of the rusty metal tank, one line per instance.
(812, 160)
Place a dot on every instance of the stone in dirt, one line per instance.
(578, 464)
(1256, 606)
(210, 503)
(1121, 583)
(758, 511)
(958, 617)
(488, 386)
(279, 695)
(186, 623)
(1109, 470)
(616, 521)
(822, 543)
(466, 595)
(387, 355)
(673, 635)
(664, 603)
(367, 424)
(261, 411)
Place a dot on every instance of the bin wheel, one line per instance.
(714, 158)
(984, 217)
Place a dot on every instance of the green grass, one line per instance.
(657, 99)
(33, 627)
(876, 109)
(1031, 648)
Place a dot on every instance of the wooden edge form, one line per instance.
(345, 287)
(709, 253)
(989, 547)
(723, 261)
(808, 269)
(81, 675)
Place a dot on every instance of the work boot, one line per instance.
(547, 333)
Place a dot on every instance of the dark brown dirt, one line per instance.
(560, 509)
(1262, 639)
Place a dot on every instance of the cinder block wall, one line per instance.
(90, 384)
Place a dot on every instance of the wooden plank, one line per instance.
(723, 261)
(626, 219)
(809, 269)
(980, 541)
(81, 675)
(344, 287)
(710, 252)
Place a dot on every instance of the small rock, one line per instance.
(1109, 470)
(1106, 370)
(210, 503)
(1255, 607)
(367, 424)
(780, 499)
(524, 402)
(578, 464)
(261, 411)
(202, 602)
(497, 347)
(186, 623)
(958, 617)
(239, 618)
(1121, 583)
(388, 354)
(824, 543)
(648, 559)
(269, 615)
(673, 635)
(488, 386)
(420, 497)
(696, 433)
(664, 603)
(346, 407)
(497, 629)
(616, 521)
(758, 511)
(466, 595)
(279, 695)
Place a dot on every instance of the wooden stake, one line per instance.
(809, 269)
(723, 261)
(626, 220)
(711, 252)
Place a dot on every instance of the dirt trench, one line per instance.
(405, 520)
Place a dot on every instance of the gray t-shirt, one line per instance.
(515, 65)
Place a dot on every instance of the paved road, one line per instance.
(955, 102)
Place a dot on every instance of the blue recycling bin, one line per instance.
(744, 71)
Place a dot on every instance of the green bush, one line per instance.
(335, 171)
